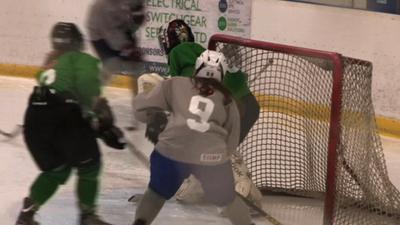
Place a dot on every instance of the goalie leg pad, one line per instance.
(243, 183)
(217, 183)
(190, 191)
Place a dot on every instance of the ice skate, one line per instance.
(139, 222)
(27, 213)
(92, 219)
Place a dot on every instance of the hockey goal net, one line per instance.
(316, 135)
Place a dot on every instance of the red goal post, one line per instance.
(316, 129)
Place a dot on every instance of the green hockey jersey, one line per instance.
(182, 60)
(76, 75)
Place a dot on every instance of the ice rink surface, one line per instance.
(124, 175)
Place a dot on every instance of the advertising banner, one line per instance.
(205, 17)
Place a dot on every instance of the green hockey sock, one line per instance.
(46, 184)
(88, 186)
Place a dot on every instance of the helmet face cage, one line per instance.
(211, 64)
(163, 39)
(66, 37)
(175, 33)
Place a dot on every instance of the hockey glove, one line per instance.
(131, 52)
(157, 121)
(113, 137)
(147, 81)
(103, 115)
(102, 122)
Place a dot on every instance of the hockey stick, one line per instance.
(264, 69)
(138, 154)
(261, 211)
(144, 160)
(14, 133)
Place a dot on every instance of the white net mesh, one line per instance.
(293, 146)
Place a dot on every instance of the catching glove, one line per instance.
(157, 121)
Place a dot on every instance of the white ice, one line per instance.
(124, 175)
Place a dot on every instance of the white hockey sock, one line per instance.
(149, 206)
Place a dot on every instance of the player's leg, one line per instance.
(218, 184)
(40, 129)
(44, 186)
(190, 191)
(79, 145)
(87, 191)
(166, 176)
(243, 183)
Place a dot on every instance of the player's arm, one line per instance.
(96, 108)
(156, 100)
(173, 64)
(88, 83)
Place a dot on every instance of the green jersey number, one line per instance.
(203, 108)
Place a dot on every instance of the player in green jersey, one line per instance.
(177, 41)
(61, 124)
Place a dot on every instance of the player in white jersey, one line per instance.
(177, 41)
(201, 135)
(112, 25)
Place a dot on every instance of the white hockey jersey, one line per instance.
(200, 130)
(110, 20)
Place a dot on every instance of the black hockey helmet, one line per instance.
(66, 37)
(137, 13)
(136, 5)
(174, 33)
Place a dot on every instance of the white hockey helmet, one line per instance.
(211, 64)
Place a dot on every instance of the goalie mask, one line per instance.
(211, 64)
(174, 33)
(66, 37)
